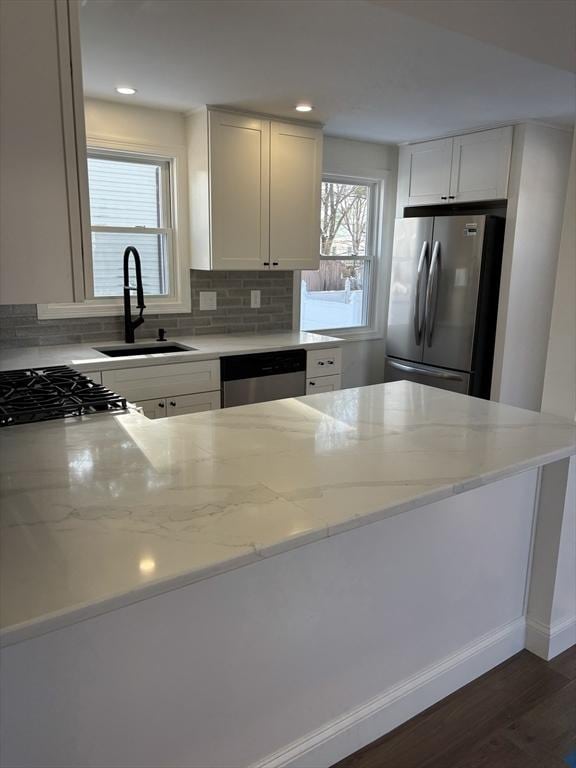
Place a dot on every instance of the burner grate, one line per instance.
(54, 392)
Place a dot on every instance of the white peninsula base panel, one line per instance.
(296, 660)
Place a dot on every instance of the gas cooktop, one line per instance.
(55, 392)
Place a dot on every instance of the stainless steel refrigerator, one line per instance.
(443, 301)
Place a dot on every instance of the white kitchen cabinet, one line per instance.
(254, 192)
(239, 194)
(480, 165)
(323, 362)
(460, 169)
(153, 409)
(42, 153)
(204, 401)
(178, 405)
(295, 191)
(160, 381)
(323, 384)
(425, 169)
(323, 370)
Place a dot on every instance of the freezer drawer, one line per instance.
(453, 381)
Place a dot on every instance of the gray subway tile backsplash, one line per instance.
(20, 327)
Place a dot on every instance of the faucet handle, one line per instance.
(161, 334)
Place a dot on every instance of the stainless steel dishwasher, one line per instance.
(263, 376)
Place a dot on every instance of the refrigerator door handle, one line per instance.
(432, 293)
(432, 374)
(419, 323)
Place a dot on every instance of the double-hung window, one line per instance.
(130, 205)
(339, 294)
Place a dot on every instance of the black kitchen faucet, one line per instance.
(129, 324)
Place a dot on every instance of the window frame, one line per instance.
(373, 326)
(165, 211)
(178, 267)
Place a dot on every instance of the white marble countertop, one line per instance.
(85, 358)
(102, 511)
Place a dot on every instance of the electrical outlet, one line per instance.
(207, 299)
(255, 299)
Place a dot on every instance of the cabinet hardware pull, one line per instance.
(443, 197)
(275, 263)
(266, 263)
(320, 362)
(452, 197)
(312, 383)
(172, 403)
(330, 362)
(160, 405)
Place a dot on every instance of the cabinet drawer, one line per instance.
(324, 384)
(205, 401)
(323, 362)
(179, 405)
(144, 383)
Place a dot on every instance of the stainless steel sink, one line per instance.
(130, 350)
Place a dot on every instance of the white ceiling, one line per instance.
(371, 71)
(544, 30)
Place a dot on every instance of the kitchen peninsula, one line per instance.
(281, 581)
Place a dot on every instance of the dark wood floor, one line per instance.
(522, 714)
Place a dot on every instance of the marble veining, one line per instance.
(101, 511)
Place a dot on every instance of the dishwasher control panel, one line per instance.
(262, 364)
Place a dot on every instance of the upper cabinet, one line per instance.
(480, 165)
(42, 151)
(461, 169)
(425, 169)
(295, 192)
(254, 192)
(238, 171)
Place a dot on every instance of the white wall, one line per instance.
(559, 397)
(538, 177)
(559, 394)
(363, 361)
(139, 125)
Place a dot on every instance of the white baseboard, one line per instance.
(548, 641)
(364, 724)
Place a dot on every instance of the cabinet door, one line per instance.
(239, 191)
(425, 169)
(480, 165)
(153, 409)
(295, 187)
(205, 401)
(40, 237)
(323, 384)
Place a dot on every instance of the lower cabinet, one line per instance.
(168, 390)
(323, 384)
(179, 405)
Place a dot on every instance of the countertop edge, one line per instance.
(59, 620)
(102, 363)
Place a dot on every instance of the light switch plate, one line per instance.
(255, 299)
(207, 299)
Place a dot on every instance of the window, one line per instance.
(129, 205)
(338, 294)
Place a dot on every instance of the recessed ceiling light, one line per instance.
(125, 90)
(304, 108)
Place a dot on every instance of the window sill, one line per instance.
(109, 309)
(352, 334)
